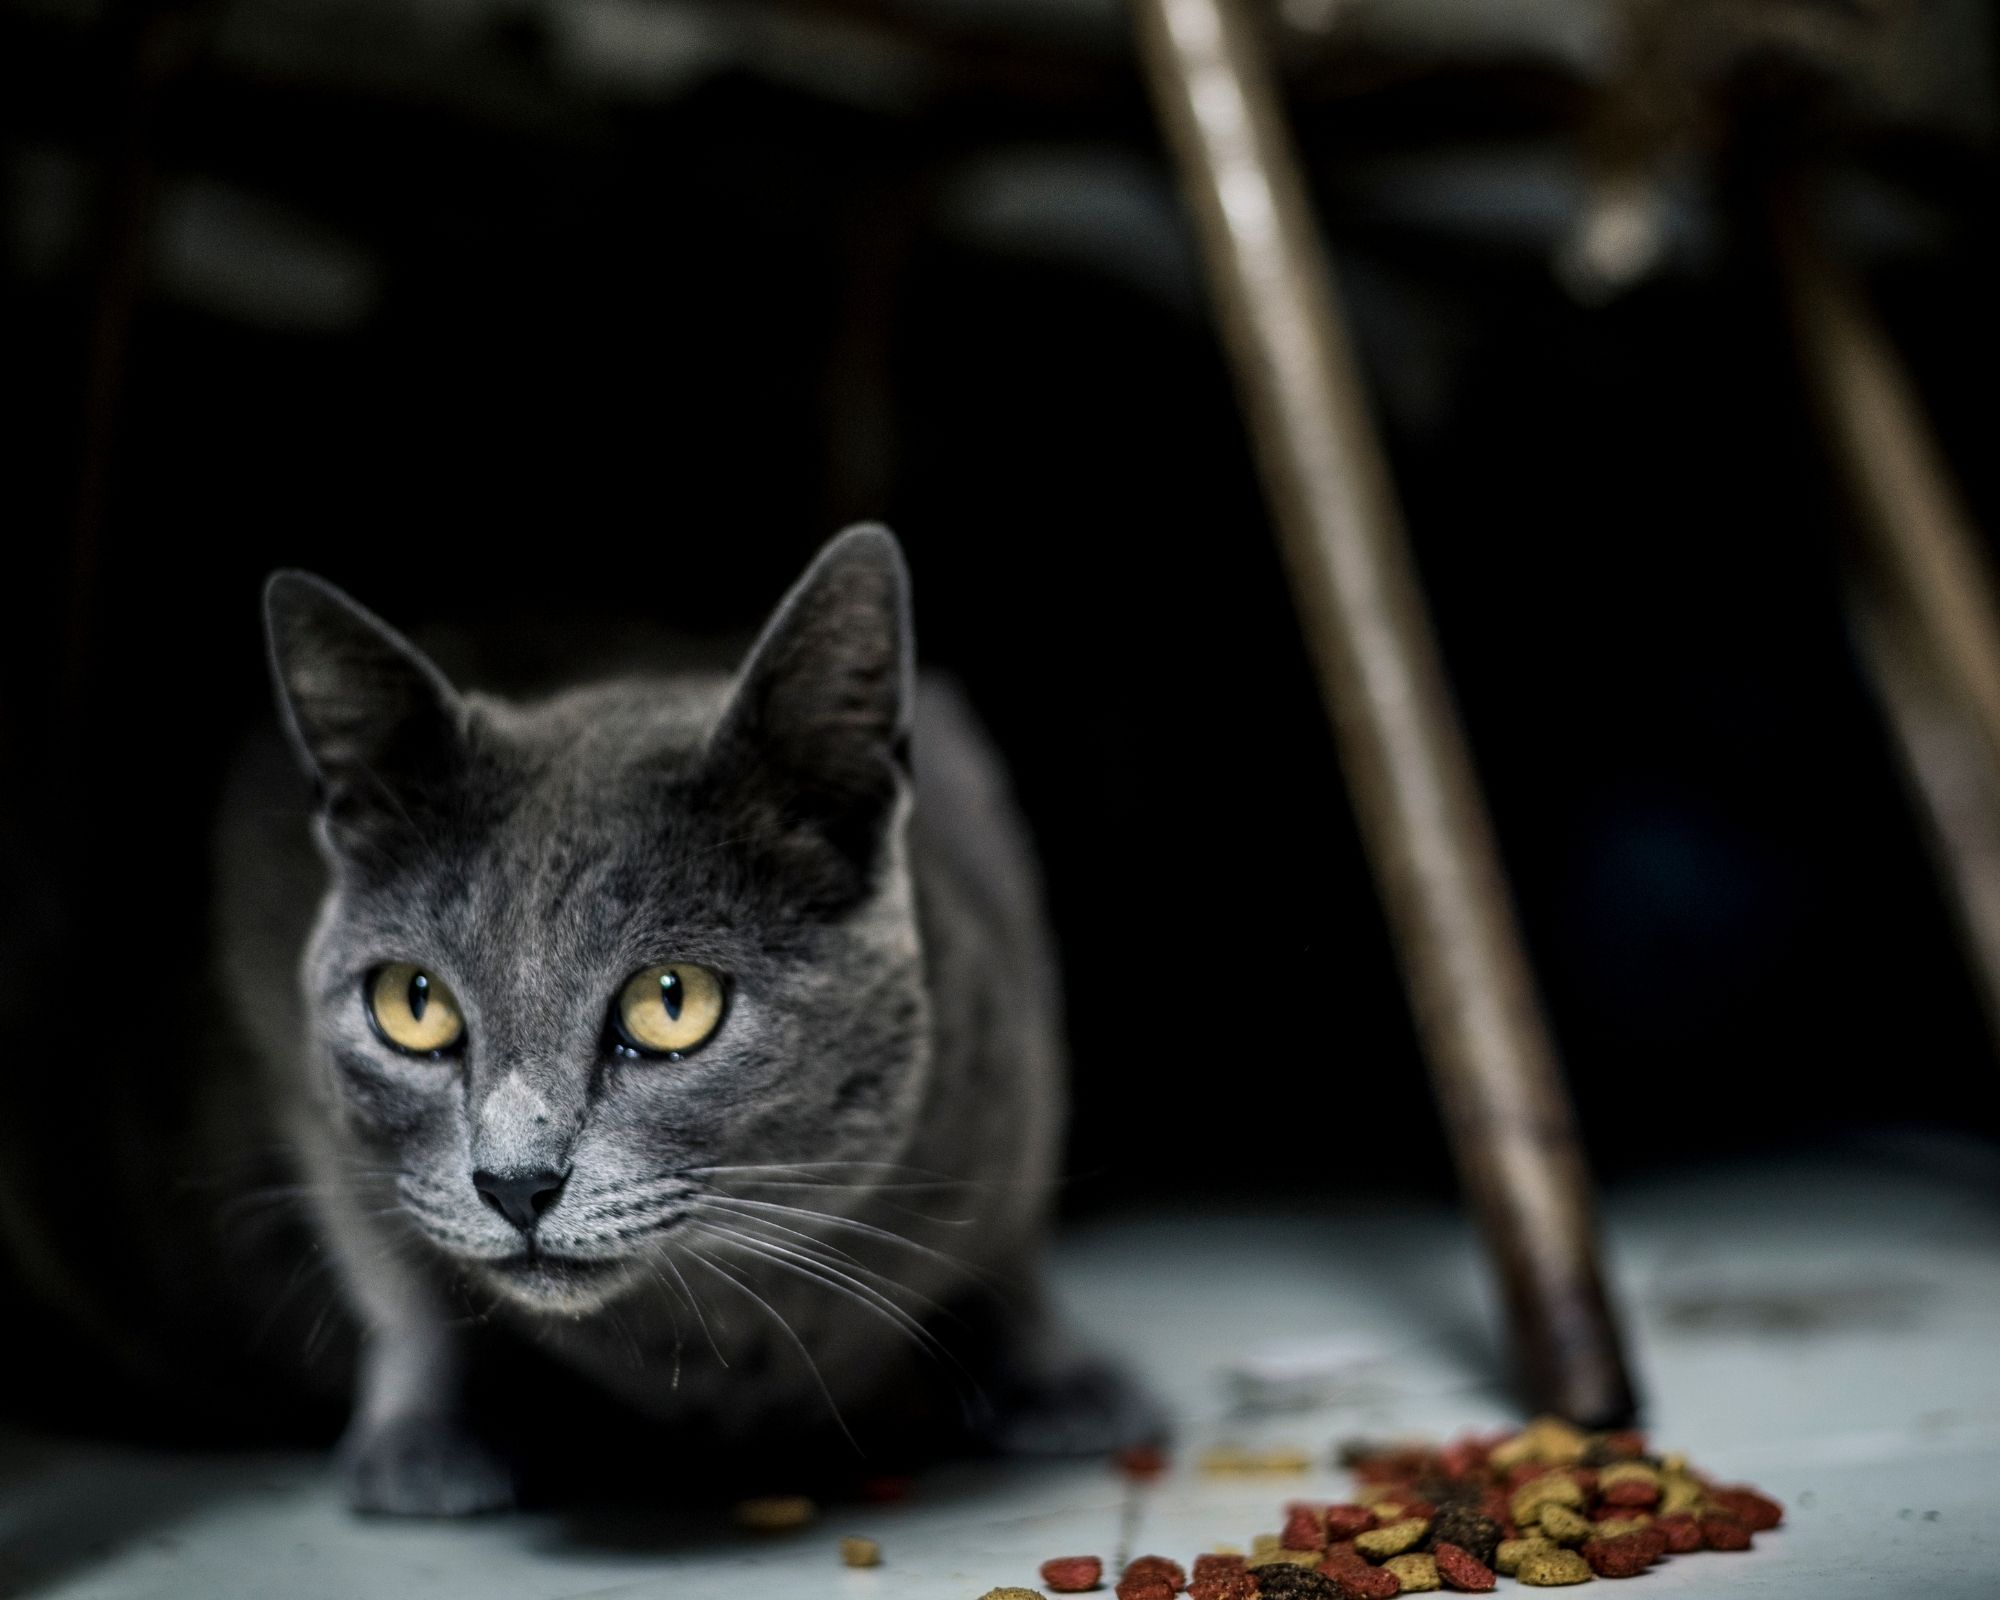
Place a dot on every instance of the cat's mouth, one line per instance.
(556, 1282)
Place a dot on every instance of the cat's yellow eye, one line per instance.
(667, 1011)
(413, 1009)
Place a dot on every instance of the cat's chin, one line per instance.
(558, 1285)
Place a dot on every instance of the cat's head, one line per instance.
(576, 953)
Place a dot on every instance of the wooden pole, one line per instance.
(1927, 622)
(1422, 817)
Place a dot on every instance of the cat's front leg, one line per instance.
(409, 1449)
(1049, 1393)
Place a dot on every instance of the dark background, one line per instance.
(494, 327)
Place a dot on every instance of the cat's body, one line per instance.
(827, 1213)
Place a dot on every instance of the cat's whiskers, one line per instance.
(870, 1230)
(840, 1283)
(791, 1334)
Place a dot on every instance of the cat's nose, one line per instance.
(520, 1197)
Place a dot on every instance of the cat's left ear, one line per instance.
(816, 734)
(371, 719)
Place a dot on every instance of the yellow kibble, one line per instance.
(1373, 1494)
(1014, 1593)
(1511, 1552)
(1551, 1488)
(1263, 1546)
(1557, 1442)
(1224, 1461)
(860, 1553)
(1290, 1558)
(1551, 1569)
(1680, 1496)
(1674, 1464)
(1378, 1544)
(1627, 1472)
(1416, 1573)
(1510, 1453)
(775, 1513)
(1387, 1510)
(1564, 1525)
(1617, 1527)
(1284, 1461)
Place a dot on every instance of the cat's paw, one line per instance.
(423, 1466)
(1081, 1407)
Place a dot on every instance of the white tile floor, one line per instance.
(1827, 1329)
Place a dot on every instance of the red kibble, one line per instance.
(1218, 1566)
(886, 1490)
(1073, 1574)
(1148, 1587)
(1365, 1582)
(1523, 1472)
(1418, 1508)
(1624, 1557)
(1224, 1586)
(1681, 1533)
(1156, 1567)
(1755, 1511)
(1344, 1522)
(1463, 1458)
(1625, 1444)
(1720, 1531)
(1632, 1494)
(1305, 1528)
(1462, 1570)
(1343, 1555)
(1585, 1479)
(1142, 1461)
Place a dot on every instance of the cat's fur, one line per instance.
(836, 841)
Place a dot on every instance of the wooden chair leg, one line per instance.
(1422, 816)
(1926, 619)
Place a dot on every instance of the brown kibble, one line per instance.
(1682, 1533)
(1142, 1461)
(1073, 1574)
(1463, 1571)
(1148, 1586)
(1418, 1574)
(1156, 1567)
(1305, 1528)
(1757, 1512)
(1224, 1586)
(1720, 1531)
(1619, 1558)
(775, 1513)
(1013, 1592)
(1379, 1544)
(1552, 1569)
(1218, 1564)
(856, 1552)
(1345, 1521)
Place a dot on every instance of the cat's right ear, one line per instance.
(371, 720)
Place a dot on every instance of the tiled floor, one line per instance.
(1828, 1329)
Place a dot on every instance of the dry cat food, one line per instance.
(775, 1513)
(1073, 1574)
(855, 1552)
(1548, 1506)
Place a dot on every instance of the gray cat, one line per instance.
(648, 1027)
